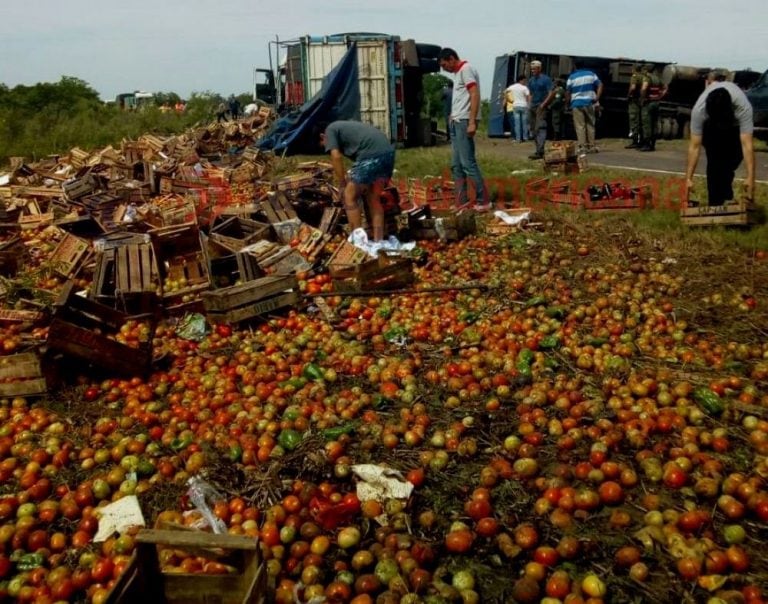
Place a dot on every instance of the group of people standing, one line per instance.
(534, 102)
(721, 123)
(646, 90)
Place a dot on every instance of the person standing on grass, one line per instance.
(518, 104)
(722, 123)
(465, 115)
(583, 90)
(374, 159)
(540, 85)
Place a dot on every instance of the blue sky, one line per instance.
(213, 45)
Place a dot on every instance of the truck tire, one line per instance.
(675, 128)
(686, 129)
(428, 51)
(666, 128)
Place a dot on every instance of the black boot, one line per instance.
(649, 145)
(635, 142)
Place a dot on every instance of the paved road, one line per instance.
(669, 156)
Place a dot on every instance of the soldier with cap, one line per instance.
(652, 91)
(633, 106)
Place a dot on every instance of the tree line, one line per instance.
(49, 118)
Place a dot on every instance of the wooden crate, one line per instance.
(276, 259)
(311, 241)
(69, 255)
(329, 219)
(235, 232)
(560, 194)
(278, 208)
(20, 375)
(126, 274)
(295, 181)
(81, 328)
(740, 213)
(79, 187)
(252, 299)
(172, 210)
(181, 257)
(34, 221)
(144, 581)
(386, 272)
(346, 255)
(446, 226)
(559, 151)
(569, 166)
(13, 254)
(10, 315)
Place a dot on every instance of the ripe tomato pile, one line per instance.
(586, 428)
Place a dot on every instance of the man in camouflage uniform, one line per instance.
(651, 92)
(633, 106)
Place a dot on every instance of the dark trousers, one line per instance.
(724, 154)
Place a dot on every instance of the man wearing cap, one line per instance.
(540, 85)
(465, 114)
(633, 106)
(651, 92)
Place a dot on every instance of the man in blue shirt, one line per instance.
(582, 91)
(540, 84)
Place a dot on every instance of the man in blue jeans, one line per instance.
(374, 161)
(540, 85)
(465, 114)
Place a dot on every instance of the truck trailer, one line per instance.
(389, 79)
(684, 85)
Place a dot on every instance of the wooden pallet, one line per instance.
(81, 327)
(144, 581)
(69, 255)
(386, 272)
(20, 375)
(733, 214)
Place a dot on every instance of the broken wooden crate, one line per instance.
(20, 375)
(740, 213)
(388, 271)
(86, 330)
(182, 260)
(252, 299)
(144, 580)
(171, 210)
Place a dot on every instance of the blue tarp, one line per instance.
(337, 99)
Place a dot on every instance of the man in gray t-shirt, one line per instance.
(722, 123)
(374, 159)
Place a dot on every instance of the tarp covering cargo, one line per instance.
(338, 99)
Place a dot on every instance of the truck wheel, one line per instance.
(666, 128)
(686, 129)
(675, 128)
(428, 51)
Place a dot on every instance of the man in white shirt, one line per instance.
(518, 99)
(465, 115)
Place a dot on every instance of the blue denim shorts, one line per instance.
(369, 170)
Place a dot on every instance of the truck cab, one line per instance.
(758, 96)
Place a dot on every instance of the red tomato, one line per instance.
(459, 541)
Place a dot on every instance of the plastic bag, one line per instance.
(359, 238)
(203, 496)
(192, 327)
